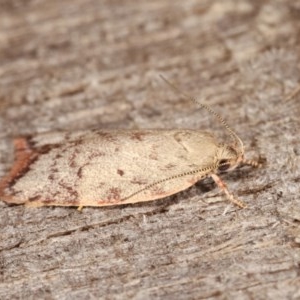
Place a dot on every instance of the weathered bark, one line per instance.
(69, 65)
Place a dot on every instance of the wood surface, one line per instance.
(72, 65)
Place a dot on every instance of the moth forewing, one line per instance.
(105, 167)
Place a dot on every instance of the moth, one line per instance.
(112, 167)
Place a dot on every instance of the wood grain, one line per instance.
(70, 65)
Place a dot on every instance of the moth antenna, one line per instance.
(233, 135)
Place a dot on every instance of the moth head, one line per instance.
(233, 155)
(229, 158)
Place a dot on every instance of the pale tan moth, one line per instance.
(111, 167)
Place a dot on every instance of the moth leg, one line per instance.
(222, 185)
(79, 208)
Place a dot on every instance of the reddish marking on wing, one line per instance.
(120, 172)
(157, 190)
(24, 156)
(167, 167)
(139, 181)
(51, 177)
(73, 194)
(137, 136)
(114, 194)
(153, 156)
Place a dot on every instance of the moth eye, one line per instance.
(224, 165)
